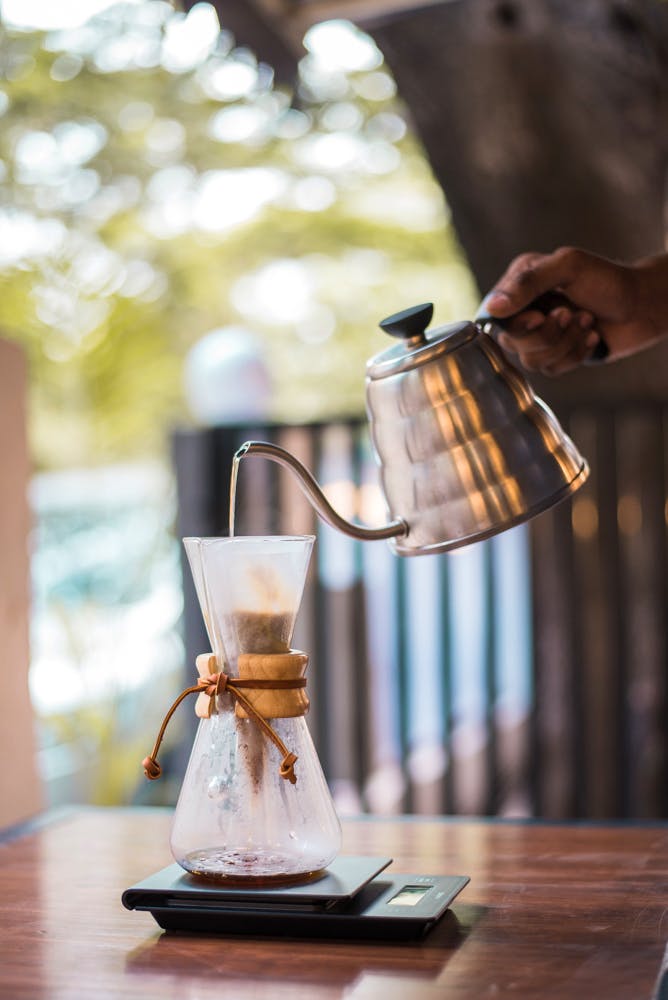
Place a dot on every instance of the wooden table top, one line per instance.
(552, 911)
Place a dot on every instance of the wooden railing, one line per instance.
(524, 675)
(600, 596)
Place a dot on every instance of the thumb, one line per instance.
(498, 303)
(527, 277)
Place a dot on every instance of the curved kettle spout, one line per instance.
(317, 498)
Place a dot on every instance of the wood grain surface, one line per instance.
(568, 911)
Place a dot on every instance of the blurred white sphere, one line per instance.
(226, 380)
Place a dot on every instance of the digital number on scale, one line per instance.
(410, 895)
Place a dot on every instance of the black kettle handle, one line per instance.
(544, 303)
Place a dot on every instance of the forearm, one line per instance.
(651, 305)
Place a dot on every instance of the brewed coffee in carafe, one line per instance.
(254, 805)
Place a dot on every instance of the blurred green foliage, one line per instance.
(113, 267)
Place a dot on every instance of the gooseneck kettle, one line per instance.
(464, 446)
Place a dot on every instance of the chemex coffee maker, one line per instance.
(465, 450)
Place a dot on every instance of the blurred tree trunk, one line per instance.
(545, 121)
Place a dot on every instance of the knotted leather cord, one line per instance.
(216, 684)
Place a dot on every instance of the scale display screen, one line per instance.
(410, 895)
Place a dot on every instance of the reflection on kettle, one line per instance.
(465, 448)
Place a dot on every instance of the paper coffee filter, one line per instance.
(249, 589)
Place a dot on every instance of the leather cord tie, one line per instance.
(217, 684)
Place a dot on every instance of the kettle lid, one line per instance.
(415, 347)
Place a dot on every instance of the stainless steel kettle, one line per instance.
(464, 446)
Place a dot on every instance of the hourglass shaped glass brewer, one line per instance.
(254, 804)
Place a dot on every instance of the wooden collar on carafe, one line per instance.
(273, 688)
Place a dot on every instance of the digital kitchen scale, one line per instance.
(354, 898)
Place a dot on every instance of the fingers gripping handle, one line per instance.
(545, 303)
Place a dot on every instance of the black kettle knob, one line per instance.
(410, 323)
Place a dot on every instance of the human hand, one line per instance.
(620, 306)
(550, 334)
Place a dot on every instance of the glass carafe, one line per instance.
(239, 817)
